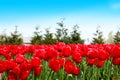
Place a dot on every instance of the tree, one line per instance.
(110, 38)
(48, 39)
(3, 38)
(15, 38)
(117, 37)
(37, 38)
(98, 39)
(75, 36)
(61, 33)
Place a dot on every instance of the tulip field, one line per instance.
(60, 61)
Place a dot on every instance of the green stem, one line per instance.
(76, 78)
(4, 76)
(33, 76)
(66, 77)
(93, 72)
(45, 72)
(116, 71)
(49, 75)
(109, 69)
(89, 72)
(62, 74)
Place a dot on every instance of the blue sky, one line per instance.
(88, 14)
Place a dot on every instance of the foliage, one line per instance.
(117, 38)
(37, 38)
(75, 36)
(15, 38)
(98, 39)
(48, 39)
(3, 39)
(61, 33)
(110, 38)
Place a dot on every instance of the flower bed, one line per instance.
(60, 62)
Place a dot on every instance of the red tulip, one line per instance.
(11, 76)
(19, 58)
(2, 66)
(69, 67)
(103, 55)
(115, 52)
(92, 61)
(35, 62)
(9, 64)
(38, 70)
(116, 61)
(50, 53)
(26, 65)
(24, 75)
(100, 64)
(92, 53)
(16, 70)
(40, 53)
(55, 64)
(66, 51)
(60, 46)
(83, 50)
(77, 57)
(62, 61)
(76, 70)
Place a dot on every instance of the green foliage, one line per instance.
(61, 33)
(75, 36)
(3, 39)
(48, 39)
(110, 38)
(37, 38)
(117, 38)
(98, 39)
(15, 38)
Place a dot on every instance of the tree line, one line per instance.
(61, 35)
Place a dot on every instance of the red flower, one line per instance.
(26, 65)
(62, 61)
(92, 53)
(92, 61)
(116, 61)
(35, 62)
(2, 66)
(24, 75)
(55, 64)
(76, 70)
(66, 51)
(19, 58)
(50, 53)
(83, 50)
(103, 55)
(40, 53)
(16, 70)
(76, 57)
(60, 46)
(115, 52)
(37, 70)
(7, 56)
(100, 64)
(11, 76)
(9, 64)
(70, 68)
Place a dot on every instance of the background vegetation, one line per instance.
(61, 35)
